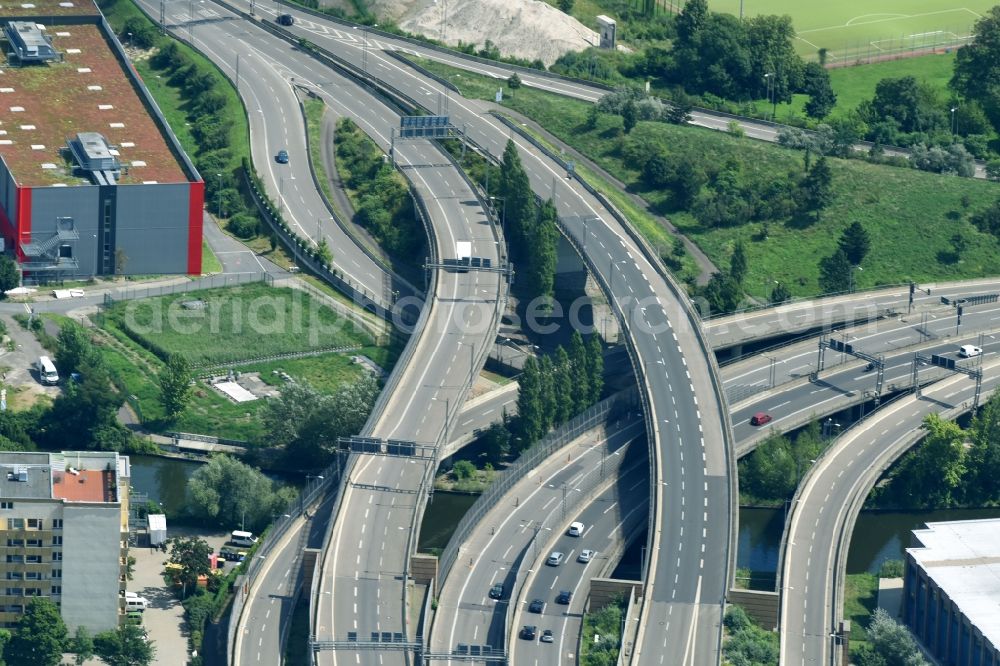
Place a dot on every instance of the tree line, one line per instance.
(530, 229)
(556, 388)
(951, 467)
(41, 638)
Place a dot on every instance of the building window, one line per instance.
(56, 589)
(15, 523)
(15, 591)
(13, 575)
(32, 592)
(33, 559)
(57, 573)
(6, 505)
(15, 559)
(34, 523)
(34, 543)
(15, 543)
(57, 523)
(32, 575)
(57, 556)
(57, 540)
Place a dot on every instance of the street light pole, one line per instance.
(953, 110)
(218, 197)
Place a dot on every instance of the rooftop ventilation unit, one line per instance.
(92, 154)
(28, 43)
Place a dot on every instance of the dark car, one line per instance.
(281, 157)
(285, 19)
(528, 632)
(230, 554)
(536, 606)
(760, 418)
(564, 597)
(496, 592)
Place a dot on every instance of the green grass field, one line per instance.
(910, 214)
(236, 323)
(856, 27)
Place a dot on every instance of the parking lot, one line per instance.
(164, 618)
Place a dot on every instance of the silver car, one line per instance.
(586, 555)
(555, 559)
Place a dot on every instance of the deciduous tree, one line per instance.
(191, 553)
(124, 646)
(39, 638)
(175, 385)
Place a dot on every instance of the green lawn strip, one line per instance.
(237, 323)
(911, 215)
(209, 262)
(211, 413)
(856, 84)
(860, 597)
(314, 110)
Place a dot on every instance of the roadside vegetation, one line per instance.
(951, 467)
(787, 215)
(379, 194)
(770, 474)
(602, 634)
(745, 643)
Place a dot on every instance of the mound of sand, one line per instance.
(524, 28)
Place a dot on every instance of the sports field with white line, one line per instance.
(869, 28)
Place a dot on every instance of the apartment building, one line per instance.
(951, 591)
(63, 535)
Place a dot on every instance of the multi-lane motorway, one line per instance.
(826, 506)
(690, 460)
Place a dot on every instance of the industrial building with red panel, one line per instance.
(92, 180)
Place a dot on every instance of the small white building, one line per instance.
(157, 528)
(608, 29)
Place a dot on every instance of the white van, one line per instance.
(136, 603)
(47, 370)
(245, 539)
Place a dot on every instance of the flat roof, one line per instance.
(39, 8)
(42, 106)
(962, 557)
(37, 475)
(86, 485)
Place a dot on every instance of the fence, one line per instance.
(274, 357)
(200, 284)
(894, 47)
(530, 459)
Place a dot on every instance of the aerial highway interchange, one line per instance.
(692, 432)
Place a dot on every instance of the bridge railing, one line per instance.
(528, 461)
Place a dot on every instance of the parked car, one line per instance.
(555, 559)
(760, 418)
(230, 554)
(496, 592)
(565, 596)
(285, 19)
(547, 636)
(528, 632)
(586, 555)
(575, 529)
(281, 157)
(969, 351)
(536, 606)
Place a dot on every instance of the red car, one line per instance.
(760, 418)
